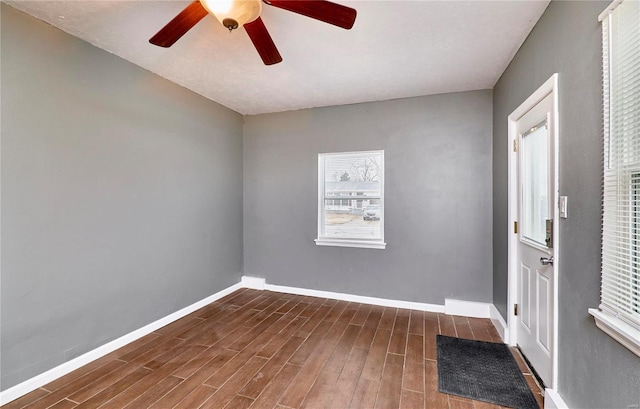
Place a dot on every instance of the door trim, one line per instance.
(549, 87)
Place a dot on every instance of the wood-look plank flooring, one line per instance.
(258, 349)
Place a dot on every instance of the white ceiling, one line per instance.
(396, 49)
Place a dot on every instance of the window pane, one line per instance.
(535, 187)
(620, 292)
(352, 195)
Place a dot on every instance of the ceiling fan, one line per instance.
(246, 13)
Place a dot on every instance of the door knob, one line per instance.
(546, 261)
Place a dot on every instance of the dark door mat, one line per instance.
(483, 371)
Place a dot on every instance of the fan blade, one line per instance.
(332, 13)
(180, 24)
(262, 41)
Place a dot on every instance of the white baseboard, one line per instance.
(255, 283)
(467, 308)
(552, 400)
(499, 323)
(52, 374)
(452, 307)
(356, 298)
(478, 310)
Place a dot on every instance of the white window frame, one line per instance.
(609, 317)
(322, 240)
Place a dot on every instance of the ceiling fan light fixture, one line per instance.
(233, 13)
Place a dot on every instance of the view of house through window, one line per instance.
(351, 196)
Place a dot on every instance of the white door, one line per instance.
(536, 199)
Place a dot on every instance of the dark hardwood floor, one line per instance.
(258, 349)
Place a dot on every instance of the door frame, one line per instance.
(549, 87)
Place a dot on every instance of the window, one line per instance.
(619, 313)
(535, 194)
(351, 199)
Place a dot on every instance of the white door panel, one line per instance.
(536, 198)
(525, 297)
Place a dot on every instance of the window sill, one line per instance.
(363, 244)
(618, 330)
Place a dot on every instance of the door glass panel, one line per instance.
(535, 184)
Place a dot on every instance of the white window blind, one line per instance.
(620, 294)
(351, 199)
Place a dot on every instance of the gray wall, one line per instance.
(595, 371)
(121, 197)
(437, 193)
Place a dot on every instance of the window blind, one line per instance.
(351, 199)
(620, 293)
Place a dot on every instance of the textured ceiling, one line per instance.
(396, 49)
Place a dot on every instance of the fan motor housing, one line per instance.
(230, 23)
